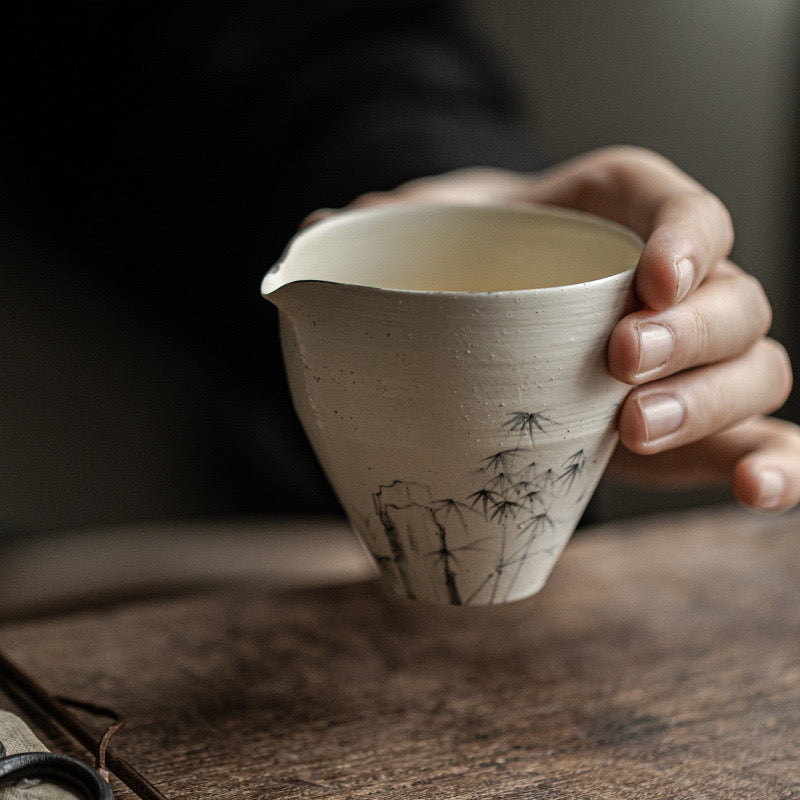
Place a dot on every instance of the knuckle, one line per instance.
(776, 372)
(371, 199)
(761, 302)
(723, 215)
(753, 299)
(702, 335)
(627, 156)
(718, 408)
(784, 368)
(621, 153)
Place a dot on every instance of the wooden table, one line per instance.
(662, 660)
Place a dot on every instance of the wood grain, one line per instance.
(662, 660)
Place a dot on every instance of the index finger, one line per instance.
(687, 229)
(692, 233)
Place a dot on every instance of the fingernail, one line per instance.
(684, 270)
(656, 344)
(662, 414)
(771, 487)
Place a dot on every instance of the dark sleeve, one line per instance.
(176, 146)
(396, 90)
(243, 115)
(170, 149)
(284, 108)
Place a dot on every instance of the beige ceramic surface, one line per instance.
(448, 365)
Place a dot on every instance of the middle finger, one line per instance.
(700, 402)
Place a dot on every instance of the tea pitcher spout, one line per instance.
(274, 284)
(330, 252)
(318, 255)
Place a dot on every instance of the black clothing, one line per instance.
(170, 150)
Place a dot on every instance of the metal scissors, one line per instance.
(55, 767)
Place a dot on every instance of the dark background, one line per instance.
(110, 414)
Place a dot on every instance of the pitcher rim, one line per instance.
(523, 208)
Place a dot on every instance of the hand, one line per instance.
(703, 371)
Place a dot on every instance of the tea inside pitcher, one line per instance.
(412, 252)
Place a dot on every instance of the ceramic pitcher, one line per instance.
(448, 364)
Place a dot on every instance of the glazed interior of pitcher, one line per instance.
(457, 249)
